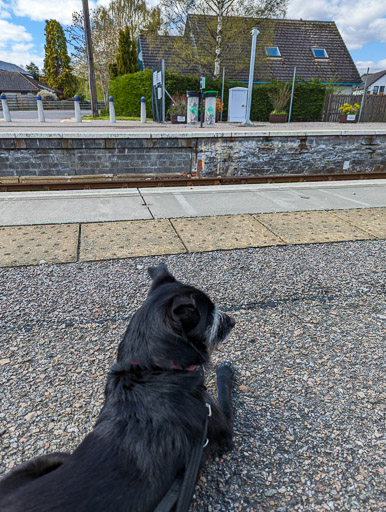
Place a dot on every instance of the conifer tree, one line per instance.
(56, 60)
(127, 60)
(33, 69)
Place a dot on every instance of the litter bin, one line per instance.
(210, 107)
(193, 106)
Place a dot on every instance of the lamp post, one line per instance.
(255, 32)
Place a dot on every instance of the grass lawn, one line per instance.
(119, 118)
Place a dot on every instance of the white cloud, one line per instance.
(21, 57)
(22, 47)
(359, 22)
(374, 66)
(41, 10)
(9, 32)
(16, 45)
(4, 13)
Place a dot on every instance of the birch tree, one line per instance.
(106, 23)
(224, 21)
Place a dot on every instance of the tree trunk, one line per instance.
(217, 60)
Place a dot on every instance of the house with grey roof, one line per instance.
(315, 48)
(376, 83)
(7, 66)
(16, 80)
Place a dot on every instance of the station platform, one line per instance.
(91, 225)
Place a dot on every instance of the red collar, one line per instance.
(174, 366)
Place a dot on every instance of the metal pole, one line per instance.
(255, 32)
(90, 59)
(222, 92)
(163, 91)
(363, 97)
(292, 95)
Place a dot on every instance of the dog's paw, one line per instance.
(226, 367)
(226, 445)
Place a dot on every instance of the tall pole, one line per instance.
(292, 95)
(363, 96)
(90, 59)
(222, 92)
(255, 32)
(163, 90)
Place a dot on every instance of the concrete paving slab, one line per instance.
(30, 245)
(26, 208)
(125, 128)
(324, 198)
(176, 202)
(374, 196)
(193, 202)
(226, 232)
(312, 227)
(111, 240)
(225, 201)
(372, 220)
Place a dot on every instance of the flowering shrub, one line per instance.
(219, 105)
(350, 109)
(47, 95)
(178, 105)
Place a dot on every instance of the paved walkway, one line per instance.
(68, 127)
(62, 227)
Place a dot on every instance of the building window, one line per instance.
(382, 89)
(375, 89)
(272, 51)
(319, 53)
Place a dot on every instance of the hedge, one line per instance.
(127, 91)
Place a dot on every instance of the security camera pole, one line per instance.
(255, 32)
(90, 59)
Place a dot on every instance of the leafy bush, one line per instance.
(308, 101)
(47, 95)
(127, 91)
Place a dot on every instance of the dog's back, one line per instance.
(141, 441)
(151, 420)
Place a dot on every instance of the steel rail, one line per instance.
(80, 183)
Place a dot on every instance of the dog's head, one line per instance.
(176, 327)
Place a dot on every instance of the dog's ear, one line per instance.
(184, 310)
(160, 275)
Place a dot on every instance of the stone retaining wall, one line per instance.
(246, 154)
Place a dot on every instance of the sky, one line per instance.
(362, 24)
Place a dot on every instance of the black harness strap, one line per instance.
(181, 491)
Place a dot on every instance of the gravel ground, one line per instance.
(309, 346)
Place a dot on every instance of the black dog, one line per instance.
(152, 417)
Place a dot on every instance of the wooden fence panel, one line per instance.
(374, 107)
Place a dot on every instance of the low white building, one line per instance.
(376, 83)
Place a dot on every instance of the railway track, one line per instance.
(108, 182)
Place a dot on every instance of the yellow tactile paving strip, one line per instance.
(203, 234)
(110, 240)
(32, 245)
(312, 227)
(371, 220)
